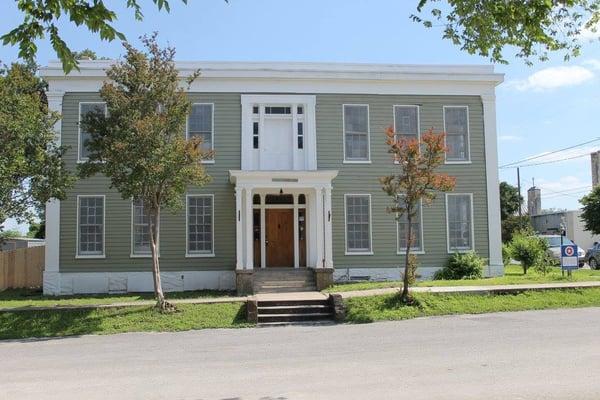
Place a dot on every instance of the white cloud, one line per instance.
(593, 64)
(589, 34)
(553, 78)
(510, 138)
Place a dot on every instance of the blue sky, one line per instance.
(539, 109)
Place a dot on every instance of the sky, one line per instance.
(540, 109)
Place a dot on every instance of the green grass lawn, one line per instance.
(29, 298)
(388, 307)
(513, 275)
(28, 324)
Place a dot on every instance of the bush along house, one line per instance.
(294, 202)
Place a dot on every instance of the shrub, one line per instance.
(506, 255)
(412, 270)
(462, 266)
(529, 249)
(513, 225)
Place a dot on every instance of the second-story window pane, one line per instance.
(200, 123)
(356, 132)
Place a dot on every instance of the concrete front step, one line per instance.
(292, 310)
(295, 309)
(293, 317)
(284, 289)
(284, 280)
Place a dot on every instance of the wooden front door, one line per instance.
(280, 237)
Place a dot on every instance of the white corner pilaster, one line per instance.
(493, 191)
(249, 262)
(239, 233)
(328, 236)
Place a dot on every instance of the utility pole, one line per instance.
(519, 186)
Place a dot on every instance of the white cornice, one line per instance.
(299, 77)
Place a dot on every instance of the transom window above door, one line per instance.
(278, 132)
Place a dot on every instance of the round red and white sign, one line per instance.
(569, 251)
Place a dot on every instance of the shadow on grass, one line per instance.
(58, 323)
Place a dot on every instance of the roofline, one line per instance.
(299, 70)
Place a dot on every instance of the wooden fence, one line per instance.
(22, 268)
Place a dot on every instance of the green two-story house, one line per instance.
(298, 149)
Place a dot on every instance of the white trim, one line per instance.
(345, 160)
(450, 251)
(493, 196)
(79, 158)
(358, 253)
(412, 249)
(212, 133)
(468, 160)
(187, 244)
(91, 256)
(132, 254)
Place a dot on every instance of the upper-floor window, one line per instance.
(456, 126)
(406, 122)
(140, 230)
(90, 226)
(358, 223)
(200, 124)
(356, 133)
(417, 231)
(459, 216)
(84, 137)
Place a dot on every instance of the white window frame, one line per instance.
(187, 230)
(132, 253)
(468, 160)
(418, 107)
(451, 251)
(91, 256)
(187, 130)
(413, 250)
(358, 253)
(79, 158)
(368, 160)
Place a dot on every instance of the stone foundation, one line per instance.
(244, 282)
(323, 278)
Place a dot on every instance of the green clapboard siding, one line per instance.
(352, 178)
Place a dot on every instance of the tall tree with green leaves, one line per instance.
(590, 214)
(31, 164)
(140, 145)
(510, 200)
(414, 180)
(533, 28)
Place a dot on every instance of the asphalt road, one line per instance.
(526, 355)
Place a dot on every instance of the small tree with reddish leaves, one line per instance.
(414, 180)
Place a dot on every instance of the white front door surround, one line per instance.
(315, 185)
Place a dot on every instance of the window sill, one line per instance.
(450, 251)
(357, 162)
(90, 257)
(359, 253)
(207, 162)
(141, 256)
(458, 162)
(403, 253)
(199, 255)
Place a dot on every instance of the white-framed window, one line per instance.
(356, 133)
(140, 231)
(83, 136)
(417, 231)
(459, 222)
(456, 126)
(90, 226)
(358, 223)
(200, 225)
(406, 122)
(201, 124)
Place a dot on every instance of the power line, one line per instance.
(546, 162)
(515, 163)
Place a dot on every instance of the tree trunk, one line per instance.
(404, 297)
(161, 303)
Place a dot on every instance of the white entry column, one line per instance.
(239, 233)
(249, 220)
(328, 236)
(319, 226)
